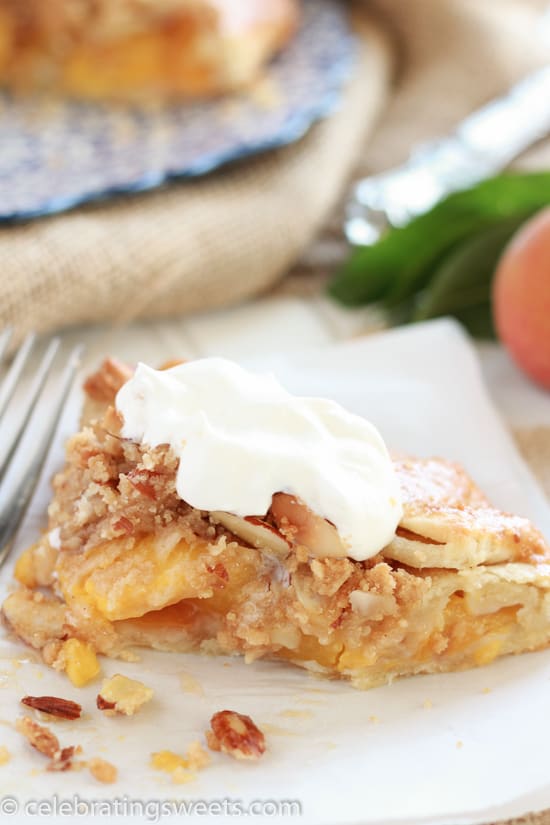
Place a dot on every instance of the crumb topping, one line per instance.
(108, 490)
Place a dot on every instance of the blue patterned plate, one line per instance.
(56, 154)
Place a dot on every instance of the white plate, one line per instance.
(479, 753)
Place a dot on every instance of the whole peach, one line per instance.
(521, 297)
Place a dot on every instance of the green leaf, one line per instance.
(463, 280)
(402, 262)
(478, 320)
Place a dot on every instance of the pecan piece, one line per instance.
(124, 525)
(339, 619)
(63, 759)
(141, 481)
(103, 704)
(63, 708)
(46, 742)
(235, 734)
(38, 736)
(220, 571)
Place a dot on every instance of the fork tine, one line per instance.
(4, 341)
(10, 381)
(22, 475)
(8, 448)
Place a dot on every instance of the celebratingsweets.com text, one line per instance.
(153, 810)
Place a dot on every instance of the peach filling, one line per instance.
(182, 585)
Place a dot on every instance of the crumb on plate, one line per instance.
(47, 743)
(102, 770)
(189, 684)
(119, 694)
(292, 713)
(181, 768)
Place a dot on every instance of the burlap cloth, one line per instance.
(192, 245)
(235, 234)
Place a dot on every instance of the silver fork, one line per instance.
(34, 420)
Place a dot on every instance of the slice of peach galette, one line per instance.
(204, 508)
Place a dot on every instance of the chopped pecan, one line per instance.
(63, 708)
(339, 619)
(46, 742)
(63, 759)
(38, 736)
(103, 704)
(139, 479)
(124, 525)
(212, 740)
(220, 571)
(235, 734)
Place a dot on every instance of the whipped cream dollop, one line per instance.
(240, 437)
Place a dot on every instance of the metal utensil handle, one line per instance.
(483, 144)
